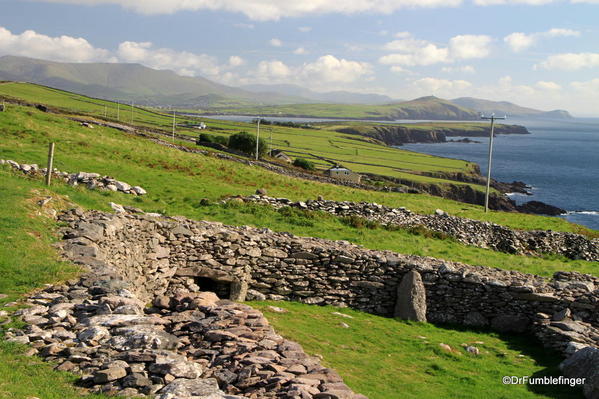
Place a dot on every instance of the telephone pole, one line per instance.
(491, 118)
(118, 111)
(131, 112)
(257, 137)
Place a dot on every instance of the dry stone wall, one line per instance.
(159, 255)
(93, 181)
(467, 231)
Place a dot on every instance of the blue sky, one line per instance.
(537, 53)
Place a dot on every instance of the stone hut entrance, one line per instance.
(220, 288)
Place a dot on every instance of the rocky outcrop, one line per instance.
(467, 231)
(399, 135)
(93, 181)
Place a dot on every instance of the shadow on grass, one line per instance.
(529, 346)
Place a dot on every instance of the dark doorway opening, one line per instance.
(220, 288)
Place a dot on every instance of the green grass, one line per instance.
(423, 108)
(312, 144)
(386, 358)
(27, 261)
(176, 181)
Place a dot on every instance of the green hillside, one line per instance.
(421, 108)
(131, 82)
(501, 108)
(384, 358)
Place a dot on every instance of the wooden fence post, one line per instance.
(50, 164)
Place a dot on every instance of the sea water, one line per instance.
(559, 160)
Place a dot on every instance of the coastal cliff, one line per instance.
(399, 135)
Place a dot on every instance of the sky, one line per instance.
(537, 53)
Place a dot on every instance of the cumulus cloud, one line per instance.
(435, 85)
(275, 42)
(304, 29)
(273, 70)
(182, 62)
(60, 48)
(459, 69)
(324, 71)
(235, 61)
(332, 69)
(409, 51)
(300, 51)
(512, 2)
(519, 41)
(544, 85)
(570, 61)
(264, 10)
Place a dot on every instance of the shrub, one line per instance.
(303, 163)
(210, 138)
(246, 143)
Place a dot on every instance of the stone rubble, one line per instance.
(190, 344)
(467, 231)
(92, 181)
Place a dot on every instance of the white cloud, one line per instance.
(510, 2)
(276, 42)
(264, 10)
(570, 61)
(469, 46)
(182, 62)
(300, 51)
(60, 48)
(398, 69)
(439, 86)
(331, 69)
(304, 29)
(544, 85)
(410, 51)
(590, 87)
(459, 69)
(235, 61)
(274, 70)
(519, 41)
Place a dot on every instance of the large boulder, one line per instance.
(584, 363)
(411, 298)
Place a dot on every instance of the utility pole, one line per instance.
(257, 137)
(174, 124)
(131, 111)
(105, 111)
(118, 111)
(270, 145)
(491, 118)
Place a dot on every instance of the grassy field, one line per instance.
(392, 359)
(176, 181)
(27, 261)
(421, 108)
(382, 358)
(313, 144)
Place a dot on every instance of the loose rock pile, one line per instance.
(92, 181)
(188, 345)
(466, 231)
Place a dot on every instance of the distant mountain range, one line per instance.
(147, 86)
(501, 108)
(335, 97)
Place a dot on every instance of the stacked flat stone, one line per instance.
(467, 231)
(93, 181)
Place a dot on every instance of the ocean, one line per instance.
(559, 160)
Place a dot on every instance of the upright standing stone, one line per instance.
(411, 298)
